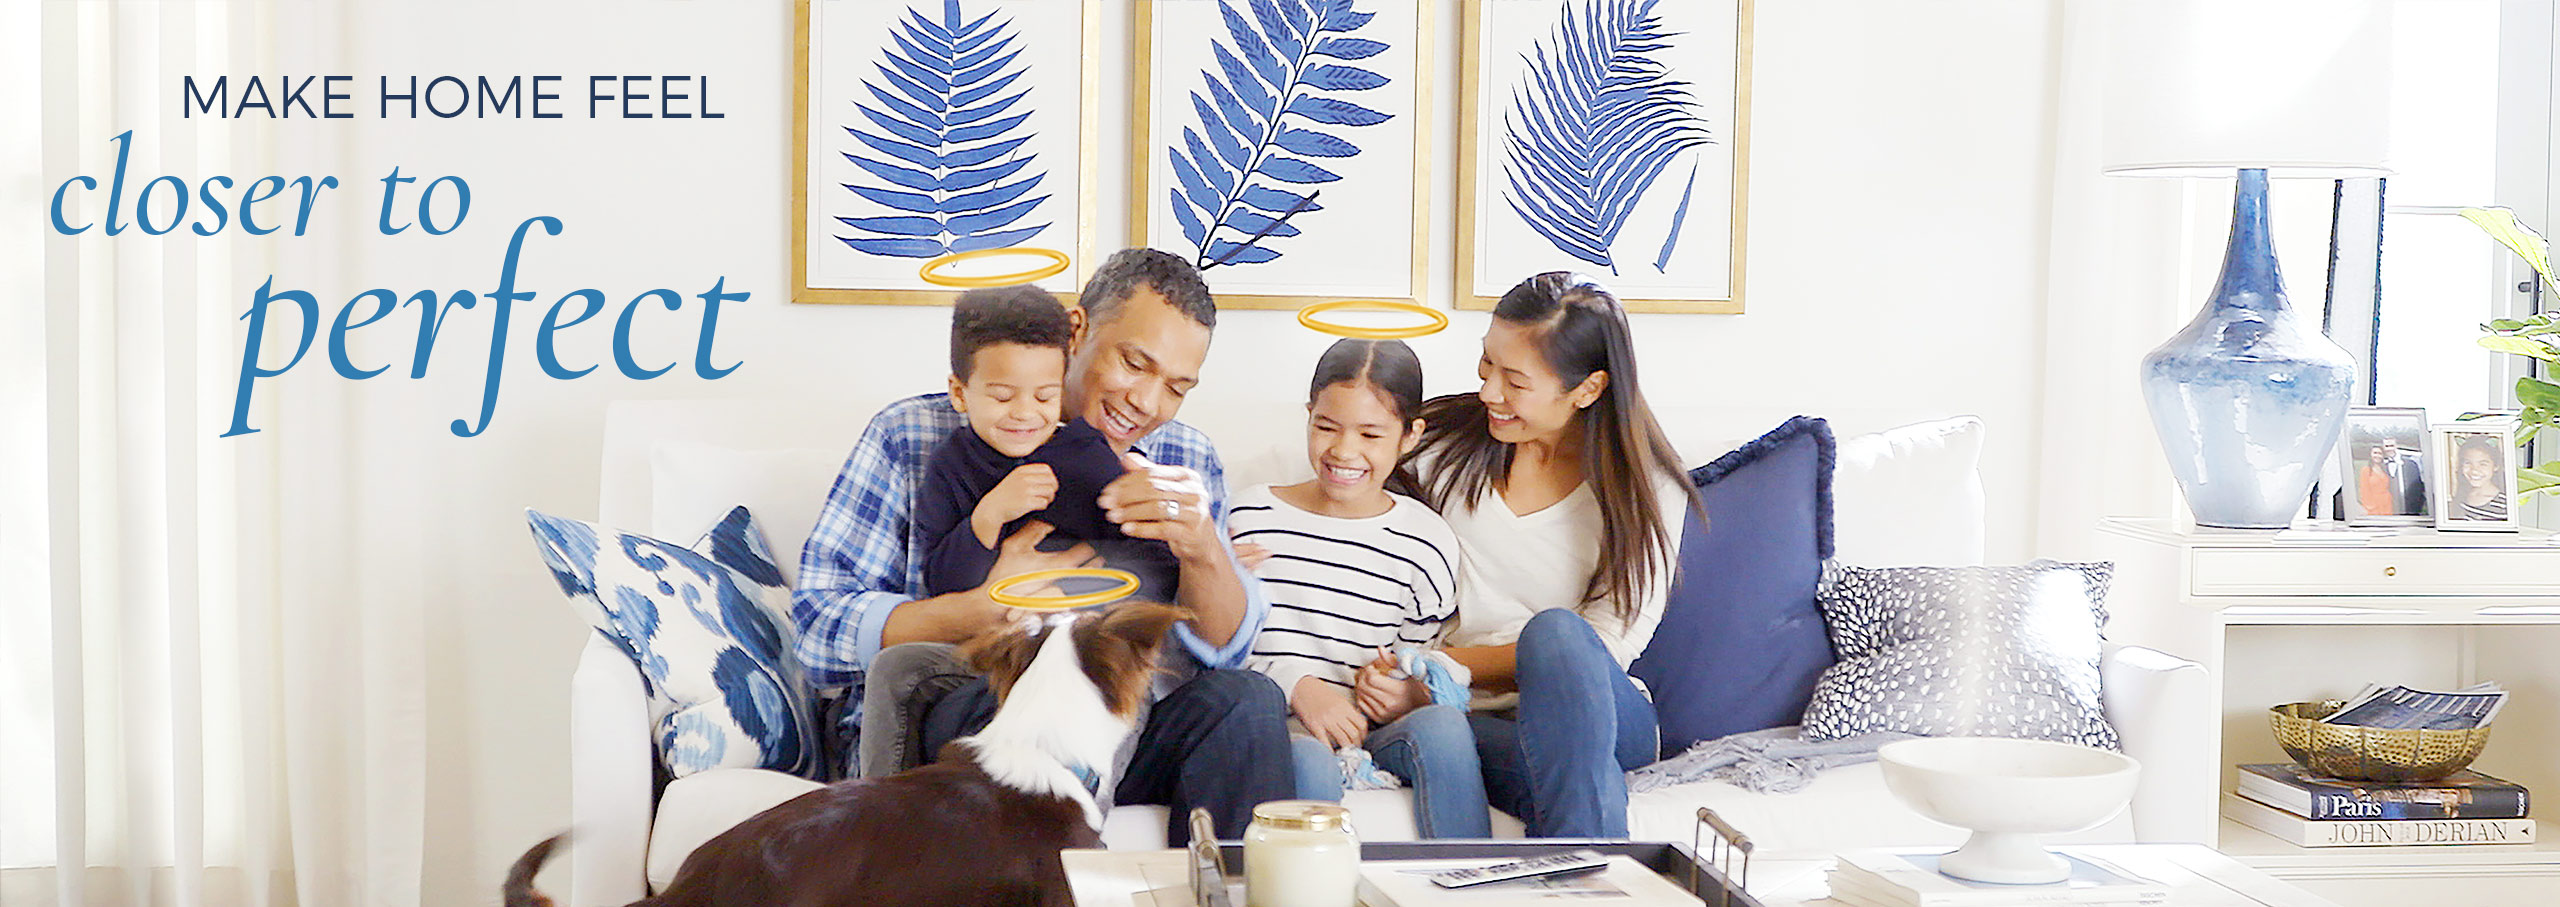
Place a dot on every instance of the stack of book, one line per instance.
(1883, 878)
(2466, 807)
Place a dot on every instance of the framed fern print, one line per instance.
(1279, 145)
(926, 127)
(1605, 136)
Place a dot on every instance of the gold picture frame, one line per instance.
(879, 283)
(1148, 185)
(1471, 292)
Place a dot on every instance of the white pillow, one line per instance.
(1910, 496)
(691, 484)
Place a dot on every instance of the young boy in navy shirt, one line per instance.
(1018, 462)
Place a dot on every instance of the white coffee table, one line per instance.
(1162, 878)
(2197, 876)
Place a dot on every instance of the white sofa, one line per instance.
(670, 467)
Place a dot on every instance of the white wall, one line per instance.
(1895, 239)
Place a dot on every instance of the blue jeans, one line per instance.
(1432, 750)
(1561, 764)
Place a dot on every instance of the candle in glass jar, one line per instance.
(1301, 853)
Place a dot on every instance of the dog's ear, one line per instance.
(1003, 653)
(1118, 650)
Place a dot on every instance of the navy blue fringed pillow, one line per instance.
(1742, 640)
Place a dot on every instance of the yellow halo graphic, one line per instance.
(932, 273)
(1438, 322)
(1128, 583)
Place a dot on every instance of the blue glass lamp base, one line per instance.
(2249, 397)
(2245, 440)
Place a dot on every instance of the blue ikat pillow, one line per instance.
(707, 626)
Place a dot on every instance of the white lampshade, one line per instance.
(2204, 87)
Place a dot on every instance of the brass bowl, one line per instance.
(2368, 753)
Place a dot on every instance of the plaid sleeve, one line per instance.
(858, 564)
(1181, 445)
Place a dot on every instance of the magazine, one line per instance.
(1625, 883)
(2400, 707)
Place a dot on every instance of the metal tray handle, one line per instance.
(1728, 842)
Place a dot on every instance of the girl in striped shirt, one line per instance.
(1353, 571)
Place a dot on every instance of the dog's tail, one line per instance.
(518, 891)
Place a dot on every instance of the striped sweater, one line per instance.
(1341, 589)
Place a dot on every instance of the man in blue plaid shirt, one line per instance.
(1217, 737)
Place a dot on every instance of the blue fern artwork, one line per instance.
(1594, 122)
(943, 140)
(1276, 104)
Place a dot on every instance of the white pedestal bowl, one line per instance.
(2009, 793)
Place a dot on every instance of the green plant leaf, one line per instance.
(2503, 324)
(2532, 479)
(2520, 346)
(2501, 225)
(2537, 393)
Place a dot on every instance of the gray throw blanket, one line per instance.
(1775, 761)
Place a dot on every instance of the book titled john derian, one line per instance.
(2461, 795)
(2373, 832)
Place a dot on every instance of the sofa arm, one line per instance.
(611, 781)
(2153, 699)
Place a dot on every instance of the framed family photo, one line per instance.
(2383, 459)
(1610, 137)
(928, 127)
(2476, 472)
(1282, 146)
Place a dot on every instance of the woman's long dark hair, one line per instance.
(1392, 368)
(1581, 329)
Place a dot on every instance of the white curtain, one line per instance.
(2131, 261)
(200, 704)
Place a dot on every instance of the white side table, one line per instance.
(2276, 621)
(2195, 874)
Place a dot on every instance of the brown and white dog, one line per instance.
(982, 826)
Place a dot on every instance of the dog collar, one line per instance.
(1085, 775)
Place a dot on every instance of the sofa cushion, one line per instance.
(1971, 651)
(1741, 640)
(1845, 808)
(693, 484)
(698, 807)
(708, 629)
(1911, 495)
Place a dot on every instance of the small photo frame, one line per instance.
(2476, 475)
(2383, 461)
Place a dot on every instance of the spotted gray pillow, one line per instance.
(1964, 651)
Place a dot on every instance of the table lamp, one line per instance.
(2248, 397)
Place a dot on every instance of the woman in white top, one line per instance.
(1567, 501)
(1353, 570)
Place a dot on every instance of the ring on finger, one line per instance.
(1172, 509)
